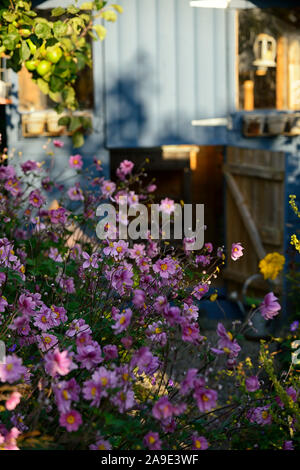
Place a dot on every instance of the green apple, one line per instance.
(54, 54)
(31, 65)
(44, 67)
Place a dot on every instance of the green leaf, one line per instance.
(43, 31)
(58, 11)
(64, 121)
(72, 9)
(109, 15)
(10, 41)
(101, 31)
(99, 4)
(9, 16)
(56, 97)
(77, 139)
(60, 29)
(80, 61)
(43, 86)
(75, 124)
(25, 51)
(118, 8)
(56, 83)
(87, 6)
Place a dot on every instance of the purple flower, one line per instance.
(190, 332)
(26, 304)
(75, 193)
(58, 143)
(155, 333)
(90, 260)
(107, 188)
(78, 326)
(138, 298)
(7, 172)
(65, 393)
(101, 444)
(145, 361)
(54, 254)
(122, 320)
(269, 308)
(167, 206)
(36, 199)
(124, 400)
(92, 391)
(172, 315)
(260, 415)
(67, 284)
(29, 165)
(200, 290)
(58, 216)
(89, 355)
(3, 303)
(294, 326)
(288, 445)
(165, 267)
(206, 398)
(252, 383)
(152, 441)
(47, 341)
(199, 442)
(13, 185)
(138, 251)
(124, 169)
(75, 161)
(236, 251)
(57, 362)
(189, 381)
(163, 409)
(59, 315)
(226, 342)
(13, 370)
(110, 352)
(291, 392)
(44, 319)
(71, 420)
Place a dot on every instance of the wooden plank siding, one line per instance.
(167, 64)
(259, 177)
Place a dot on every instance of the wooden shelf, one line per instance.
(284, 134)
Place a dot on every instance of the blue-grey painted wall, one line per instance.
(166, 64)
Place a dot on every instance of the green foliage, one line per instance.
(26, 37)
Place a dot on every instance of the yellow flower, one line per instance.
(213, 297)
(295, 242)
(271, 265)
(293, 204)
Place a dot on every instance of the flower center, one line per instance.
(198, 444)
(70, 419)
(104, 381)
(164, 267)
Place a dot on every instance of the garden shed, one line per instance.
(184, 84)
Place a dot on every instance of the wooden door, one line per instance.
(254, 207)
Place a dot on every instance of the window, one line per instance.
(269, 59)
